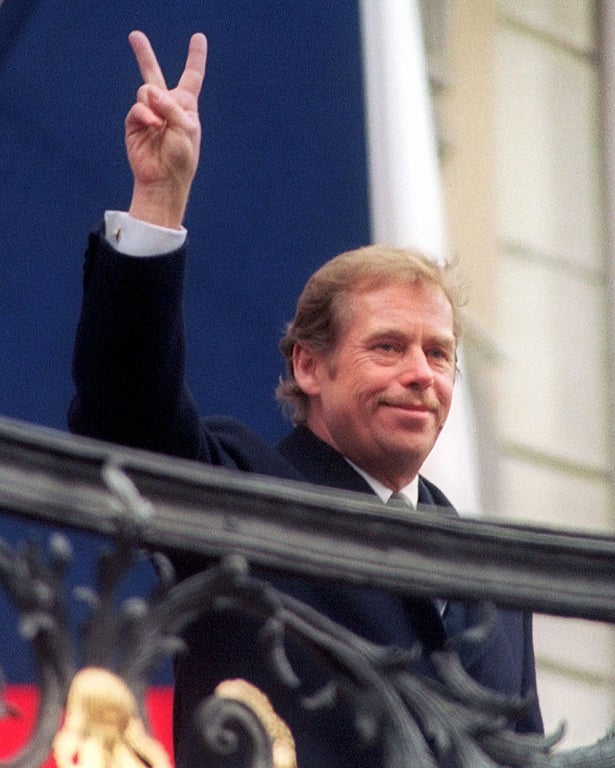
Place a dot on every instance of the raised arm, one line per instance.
(129, 358)
(163, 134)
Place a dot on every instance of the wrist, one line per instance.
(160, 204)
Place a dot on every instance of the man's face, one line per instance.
(383, 395)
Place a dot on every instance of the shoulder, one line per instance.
(241, 448)
(319, 463)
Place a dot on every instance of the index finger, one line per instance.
(194, 71)
(146, 59)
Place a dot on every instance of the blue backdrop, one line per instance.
(281, 187)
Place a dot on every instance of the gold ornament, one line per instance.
(102, 728)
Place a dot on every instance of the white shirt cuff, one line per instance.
(133, 237)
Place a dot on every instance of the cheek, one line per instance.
(359, 385)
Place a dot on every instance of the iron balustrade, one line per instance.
(139, 501)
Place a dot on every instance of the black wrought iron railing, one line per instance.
(138, 500)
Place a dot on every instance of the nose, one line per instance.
(416, 373)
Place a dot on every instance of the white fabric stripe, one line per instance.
(406, 200)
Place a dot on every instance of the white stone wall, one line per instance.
(524, 176)
(552, 319)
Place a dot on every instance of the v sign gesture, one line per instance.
(163, 134)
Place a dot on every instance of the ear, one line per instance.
(306, 368)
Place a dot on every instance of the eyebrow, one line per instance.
(437, 337)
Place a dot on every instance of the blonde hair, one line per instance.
(322, 308)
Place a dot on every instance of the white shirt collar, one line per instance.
(410, 491)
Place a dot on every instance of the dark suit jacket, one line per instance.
(130, 389)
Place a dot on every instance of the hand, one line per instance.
(163, 134)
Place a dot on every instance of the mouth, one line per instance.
(411, 407)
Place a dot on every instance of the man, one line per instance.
(370, 358)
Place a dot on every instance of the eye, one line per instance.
(441, 355)
(388, 347)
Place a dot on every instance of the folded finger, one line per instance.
(142, 116)
(164, 105)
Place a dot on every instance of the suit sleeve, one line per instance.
(129, 356)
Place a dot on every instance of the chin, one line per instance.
(403, 454)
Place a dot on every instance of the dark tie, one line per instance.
(400, 502)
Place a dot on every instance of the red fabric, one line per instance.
(14, 731)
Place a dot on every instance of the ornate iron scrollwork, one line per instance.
(36, 587)
(421, 722)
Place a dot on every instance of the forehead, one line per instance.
(407, 303)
